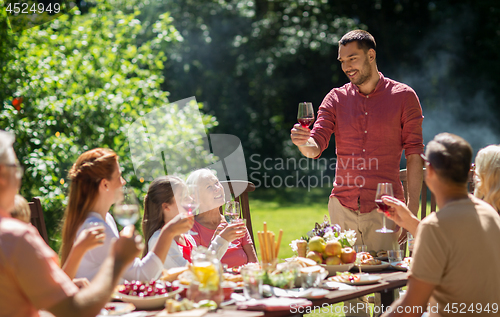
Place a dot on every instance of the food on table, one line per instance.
(284, 279)
(235, 278)
(173, 306)
(317, 244)
(186, 277)
(406, 263)
(344, 277)
(303, 262)
(373, 253)
(381, 253)
(172, 274)
(333, 248)
(312, 269)
(333, 260)
(269, 249)
(315, 256)
(144, 289)
(302, 248)
(348, 255)
(365, 258)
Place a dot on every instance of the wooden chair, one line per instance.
(243, 187)
(37, 218)
(425, 197)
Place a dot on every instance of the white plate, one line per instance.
(116, 308)
(333, 269)
(148, 302)
(310, 293)
(366, 279)
(374, 268)
(395, 266)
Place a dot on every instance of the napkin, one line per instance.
(273, 304)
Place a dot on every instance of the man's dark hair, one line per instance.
(450, 155)
(364, 39)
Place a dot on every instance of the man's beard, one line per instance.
(364, 75)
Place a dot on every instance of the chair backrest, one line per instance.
(37, 219)
(425, 197)
(243, 187)
(423, 193)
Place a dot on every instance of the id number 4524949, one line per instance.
(35, 8)
(478, 308)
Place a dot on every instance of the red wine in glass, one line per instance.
(306, 122)
(305, 116)
(383, 189)
(189, 208)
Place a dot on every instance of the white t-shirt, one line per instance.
(175, 257)
(150, 267)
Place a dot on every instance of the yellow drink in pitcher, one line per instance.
(206, 273)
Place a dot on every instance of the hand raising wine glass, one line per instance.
(305, 116)
(232, 211)
(190, 201)
(126, 210)
(383, 189)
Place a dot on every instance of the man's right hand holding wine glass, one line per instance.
(300, 136)
(400, 214)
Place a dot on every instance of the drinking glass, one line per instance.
(395, 255)
(305, 116)
(253, 278)
(360, 248)
(411, 241)
(190, 201)
(232, 211)
(383, 189)
(126, 210)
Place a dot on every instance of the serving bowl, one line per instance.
(147, 302)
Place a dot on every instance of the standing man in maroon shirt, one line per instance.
(373, 118)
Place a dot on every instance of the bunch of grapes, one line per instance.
(145, 289)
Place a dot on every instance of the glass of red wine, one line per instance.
(383, 189)
(305, 116)
(190, 201)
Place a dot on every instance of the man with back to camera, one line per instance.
(374, 118)
(30, 276)
(456, 255)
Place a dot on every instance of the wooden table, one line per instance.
(390, 281)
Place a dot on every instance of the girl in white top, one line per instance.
(96, 184)
(160, 206)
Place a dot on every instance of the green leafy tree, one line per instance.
(83, 80)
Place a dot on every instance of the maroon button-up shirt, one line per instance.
(371, 132)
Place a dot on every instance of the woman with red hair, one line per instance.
(95, 183)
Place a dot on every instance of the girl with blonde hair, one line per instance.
(487, 175)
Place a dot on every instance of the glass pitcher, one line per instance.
(208, 276)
